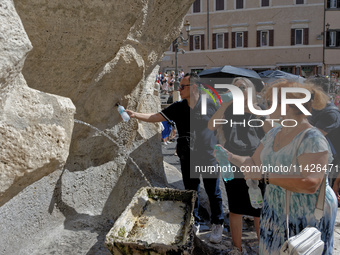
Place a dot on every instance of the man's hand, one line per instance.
(131, 113)
(229, 154)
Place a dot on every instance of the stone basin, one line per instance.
(157, 221)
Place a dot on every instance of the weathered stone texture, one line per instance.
(98, 53)
(35, 127)
(95, 53)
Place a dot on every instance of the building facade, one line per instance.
(332, 43)
(289, 35)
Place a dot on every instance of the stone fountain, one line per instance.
(63, 184)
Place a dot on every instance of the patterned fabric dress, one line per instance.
(273, 217)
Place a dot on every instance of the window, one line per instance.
(264, 3)
(219, 5)
(299, 36)
(220, 41)
(197, 6)
(333, 38)
(333, 4)
(299, 1)
(239, 39)
(196, 70)
(265, 38)
(196, 42)
(239, 4)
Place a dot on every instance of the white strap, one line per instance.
(318, 212)
(320, 203)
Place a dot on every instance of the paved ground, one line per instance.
(249, 235)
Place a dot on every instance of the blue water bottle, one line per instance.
(123, 113)
(226, 169)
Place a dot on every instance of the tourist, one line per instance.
(241, 140)
(279, 148)
(180, 112)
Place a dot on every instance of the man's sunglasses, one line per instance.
(181, 87)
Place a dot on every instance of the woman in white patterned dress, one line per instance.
(276, 150)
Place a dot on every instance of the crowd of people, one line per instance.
(312, 141)
(166, 81)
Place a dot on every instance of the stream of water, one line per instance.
(120, 146)
(98, 130)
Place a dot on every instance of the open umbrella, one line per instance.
(232, 72)
(272, 75)
(229, 72)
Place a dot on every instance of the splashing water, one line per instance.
(98, 130)
(120, 146)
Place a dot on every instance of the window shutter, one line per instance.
(245, 39)
(258, 38)
(226, 41)
(191, 42)
(328, 4)
(292, 37)
(271, 37)
(202, 42)
(338, 4)
(214, 41)
(337, 42)
(305, 36)
(233, 40)
(327, 39)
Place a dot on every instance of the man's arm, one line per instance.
(147, 117)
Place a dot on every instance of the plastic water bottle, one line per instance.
(255, 194)
(123, 113)
(222, 158)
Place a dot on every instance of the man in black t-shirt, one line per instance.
(194, 146)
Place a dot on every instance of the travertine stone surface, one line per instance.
(98, 53)
(87, 55)
(35, 127)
